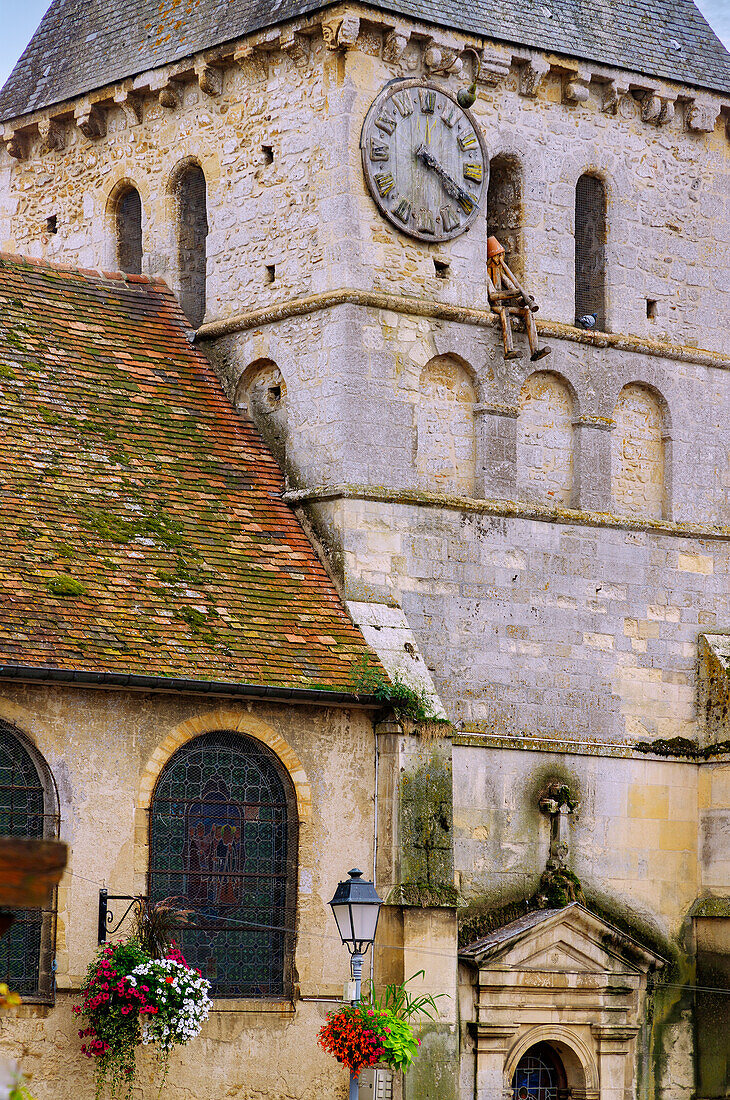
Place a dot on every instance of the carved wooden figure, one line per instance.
(509, 299)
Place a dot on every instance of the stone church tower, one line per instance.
(539, 549)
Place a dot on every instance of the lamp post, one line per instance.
(356, 907)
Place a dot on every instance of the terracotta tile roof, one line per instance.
(80, 45)
(142, 527)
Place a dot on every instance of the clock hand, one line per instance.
(451, 187)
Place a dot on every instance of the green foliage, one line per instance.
(156, 923)
(63, 584)
(369, 678)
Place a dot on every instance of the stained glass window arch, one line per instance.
(223, 837)
(539, 1075)
(28, 808)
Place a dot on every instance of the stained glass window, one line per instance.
(537, 1076)
(26, 810)
(590, 250)
(222, 838)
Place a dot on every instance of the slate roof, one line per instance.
(86, 44)
(142, 526)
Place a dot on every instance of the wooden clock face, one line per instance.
(425, 161)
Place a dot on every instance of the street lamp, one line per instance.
(356, 907)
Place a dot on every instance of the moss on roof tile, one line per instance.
(144, 532)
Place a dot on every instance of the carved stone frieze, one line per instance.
(16, 144)
(294, 45)
(613, 93)
(340, 33)
(494, 67)
(168, 97)
(395, 45)
(700, 115)
(210, 78)
(532, 73)
(575, 89)
(90, 120)
(52, 135)
(131, 105)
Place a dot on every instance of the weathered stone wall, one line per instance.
(105, 749)
(276, 132)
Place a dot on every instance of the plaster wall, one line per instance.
(104, 750)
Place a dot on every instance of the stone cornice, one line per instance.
(446, 311)
(508, 509)
(340, 26)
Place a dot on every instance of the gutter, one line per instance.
(30, 674)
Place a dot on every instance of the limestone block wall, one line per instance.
(599, 429)
(276, 130)
(105, 750)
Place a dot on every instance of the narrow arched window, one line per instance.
(28, 808)
(261, 392)
(590, 252)
(223, 837)
(129, 231)
(192, 232)
(504, 208)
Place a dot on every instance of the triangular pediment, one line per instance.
(560, 957)
(569, 940)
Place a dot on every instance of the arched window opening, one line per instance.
(637, 458)
(27, 809)
(590, 252)
(129, 232)
(545, 440)
(539, 1075)
(192, 234)
(261, 393)
(446, 439)
(223, 836)
(504, 209)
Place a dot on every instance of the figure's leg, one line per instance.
(536, 351)
(510, 352)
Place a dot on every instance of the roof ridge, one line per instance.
(88, 272)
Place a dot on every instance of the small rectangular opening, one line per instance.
(52, 223)
(268, 152)
(651, 307)
(270, 273)
(441, 267)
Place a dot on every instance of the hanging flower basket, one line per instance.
(372, 1030)
(131, 998)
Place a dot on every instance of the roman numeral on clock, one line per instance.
(449, 115)
(473, 171)
(424, 221)
(404, 103)
(465, 203)
(378, 151)
(403, 211)
(467, 141)
(385, 123)
(428, 101)
(384, 182)
(449, 218)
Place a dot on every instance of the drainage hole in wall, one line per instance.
(270, 273)
(441, 267)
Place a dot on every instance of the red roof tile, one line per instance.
(143, 528)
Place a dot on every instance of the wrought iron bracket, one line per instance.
(106, 915)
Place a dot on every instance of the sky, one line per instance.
(19, 18)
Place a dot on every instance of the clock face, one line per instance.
(425, 161)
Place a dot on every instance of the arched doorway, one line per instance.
(540, 1075)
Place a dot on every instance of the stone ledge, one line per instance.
(447, 311)
(504, 508)
(471, 737)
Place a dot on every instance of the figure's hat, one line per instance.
(494, 248)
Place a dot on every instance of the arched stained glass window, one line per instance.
(539, 1075)
(27, 809)
(223, 837)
